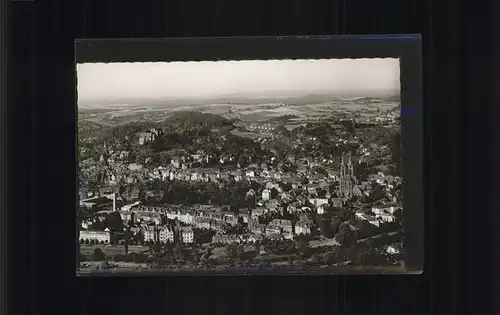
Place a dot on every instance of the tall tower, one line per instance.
(350, 166)
(106, 149)
(342, 166)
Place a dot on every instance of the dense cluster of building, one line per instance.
(154, 222)
(286, 203)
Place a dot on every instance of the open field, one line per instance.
(248, 112)
(111, 250)
(248, 134)
(323, 242)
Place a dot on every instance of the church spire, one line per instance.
(342, 165)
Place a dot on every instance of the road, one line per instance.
(324, 242)
(333, 242)
(377, 236)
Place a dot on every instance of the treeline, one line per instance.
(194, 119)
(190, 123)
(233, 194)
(320, 130)
(284, 118)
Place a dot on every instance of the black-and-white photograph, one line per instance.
(240, 165)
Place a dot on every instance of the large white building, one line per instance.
(303, 228)
(385, 213)
(266, 195)
(96, 236)
(166, 235)
(150, 234)
(187, 235)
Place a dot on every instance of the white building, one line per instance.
(320, 209)
(266, 195)
(96, 236)
(127, 216)
(195, 177)
(303, 228)
(175, 163)
(203, 223)
(385, 213)
(386, 217)
(187, 235)
(318, 201)
(384, 209)
(370, 219)
(166, 235)
(394, 249)
(85, 224)
(150, 234)
(186, 217)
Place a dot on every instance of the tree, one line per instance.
(316, 258)
(257, 248)
(157, 247)
(364, 254)
(114, 222)
(345, 236)
(324, 226)
(321, 193)
(98, 255)
(242, 161)
(294, 218)
(397, 152)
(274, 193)
(334, 225)
(139, 258)
(232, 251)
(302, 244)
(345, 214)
(320, 170)
(287, 186)
(173, 260)
(398, 214)
(289, 247)
(82, 257)
(177, 249)
(331, 258)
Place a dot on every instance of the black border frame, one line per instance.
(405, 47)
(5, 110)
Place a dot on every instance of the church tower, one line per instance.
(342, 166)
(349, 166)
(346, 166)
(346, 174)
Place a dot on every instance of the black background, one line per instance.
(457, 45)
(407, 48)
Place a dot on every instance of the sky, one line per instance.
(212, 79)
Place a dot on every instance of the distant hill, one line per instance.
(89, 129)
(195, 119)
(240, 99)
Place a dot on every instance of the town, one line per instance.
(204, 191)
